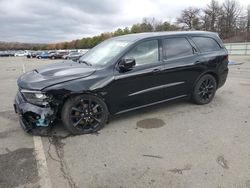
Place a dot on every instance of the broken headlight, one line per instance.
(35, 97)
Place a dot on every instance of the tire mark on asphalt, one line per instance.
(154, 156)
(180, 170)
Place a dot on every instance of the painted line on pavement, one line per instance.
(42, 166)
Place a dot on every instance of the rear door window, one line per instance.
(176, 48)
(206, 44)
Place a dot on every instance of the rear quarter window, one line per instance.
(206, 44)
(176, 48)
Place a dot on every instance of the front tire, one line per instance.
(204, 90)
(84, 114)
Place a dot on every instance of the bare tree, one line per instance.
(248, 18)
(211, 15)
(231, 11)
(190, 17)
(152, 21)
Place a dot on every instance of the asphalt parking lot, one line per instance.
(177, 145)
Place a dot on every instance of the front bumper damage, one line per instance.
(32, 116)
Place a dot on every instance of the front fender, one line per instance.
(92, 84)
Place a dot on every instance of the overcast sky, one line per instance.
(47, 21)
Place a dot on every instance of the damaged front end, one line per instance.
(35, 109)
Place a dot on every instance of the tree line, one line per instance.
(147, 25)
(229, 19)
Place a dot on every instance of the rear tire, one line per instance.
(204, 90)
(84, 114)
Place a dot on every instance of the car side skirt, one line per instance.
(151, 104)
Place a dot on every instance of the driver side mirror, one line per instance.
(126, 64)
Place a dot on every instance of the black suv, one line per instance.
(122, 74)
(57, 55)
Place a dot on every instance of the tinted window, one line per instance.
(206, 44)
(176, 47)
(145, 52)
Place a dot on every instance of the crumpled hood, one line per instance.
(52, 74)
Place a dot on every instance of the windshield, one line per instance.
(104, 52)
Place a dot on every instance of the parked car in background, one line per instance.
(33, 54)
(122, 74)
(44, 55)
(6, 53)
(11, 53)
(73, 56)
(21, 53)
(57, 55)
(3, 54)
(29, 54)
(83, 51)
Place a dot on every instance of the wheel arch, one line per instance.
(214, 74)
(76, 98)
(74, 94)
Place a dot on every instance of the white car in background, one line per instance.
(21, 53)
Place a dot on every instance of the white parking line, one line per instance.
(42, 166)
(23, 68)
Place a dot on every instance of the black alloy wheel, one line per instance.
(205, 89)
(84, 114)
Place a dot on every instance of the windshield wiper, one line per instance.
(85, 62)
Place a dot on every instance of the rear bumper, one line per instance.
(32, 116)
(223, 78)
